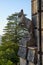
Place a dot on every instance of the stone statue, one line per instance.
(25, 23)
(28, 39)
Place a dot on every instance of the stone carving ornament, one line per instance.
(27, 26)
(28, 37)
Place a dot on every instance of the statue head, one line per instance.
(21, 13)
(21, 17)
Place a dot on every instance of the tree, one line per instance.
(10, 39)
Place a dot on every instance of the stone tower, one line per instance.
(35, 19)
(35, 12)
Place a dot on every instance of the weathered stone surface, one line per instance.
(42, 19)
(41, 4)
(42, 41)
(22, 52)
(34, 6)
(27, 38)
(31, 54)
(35, 20)
(22, 42)
(22, 61)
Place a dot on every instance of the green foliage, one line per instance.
(9, 54)
(9, 47)
(10, 41)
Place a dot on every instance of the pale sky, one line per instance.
(8, 7)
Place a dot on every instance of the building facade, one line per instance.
(35, 20)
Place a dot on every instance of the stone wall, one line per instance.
(23, 62)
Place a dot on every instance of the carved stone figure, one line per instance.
(26, 24)
(28, 39)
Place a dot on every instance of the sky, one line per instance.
(8, 7)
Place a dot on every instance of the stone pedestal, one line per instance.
(22, 61)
